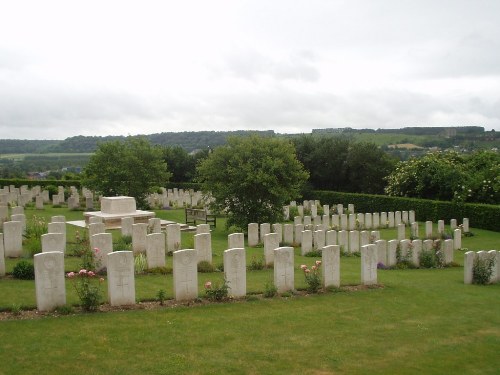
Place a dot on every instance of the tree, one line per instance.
(342, 164)
(181, 164)
(252, 178)
(132, 167)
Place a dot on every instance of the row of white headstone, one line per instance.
(51, 290)
(471, 256)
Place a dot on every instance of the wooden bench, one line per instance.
(194, 215)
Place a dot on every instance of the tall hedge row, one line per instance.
(482, 216)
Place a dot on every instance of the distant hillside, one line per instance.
(467, 137)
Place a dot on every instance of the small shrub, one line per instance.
(482, 269)
(124, 243)
(205, 267)
(24, 270)
(313, 277)
(161, 296)
(88, 288)
(256, 263)
(216, 292)
(251, 298)
(286, 294)
(270, 290)
(160, 270)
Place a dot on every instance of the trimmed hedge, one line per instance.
(42, 183)
(482, 216)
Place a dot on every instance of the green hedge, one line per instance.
(482, 216)
(42, 183)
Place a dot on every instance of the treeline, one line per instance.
(459, 130)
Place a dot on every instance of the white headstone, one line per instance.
(185, 275)
(288, 234)
(155, 250)
(331, 238)
(404, 217)
(343, 222)
(414, 229)
(95, 220)
(495, 275)
(253, 234)
(411, 216)
(58, 219)
(283, 269)
(369, 264)
(354, 241)
(236, 241)
(401, 231)
(453, 224)
(298, 229)
(376, 220)
(465, 225)
(139, 233)
(364, 238)
(265, 228)
(428, 229)
(278, 229)
(381, 252)
(235, 271)
(390, 219)
(127, 223)
(397, 218)
(154, 225)
(468, 266)
(58, 227)
(203, 247)
(121, 280)
(416, 250)
(330, 259)
(383, 220)
(53, 242)
(49, 280)
(307, 242)
(392, 247)
(457, 239)
(342, 238)
(271, 242)
(368, 221)
(440, 226)
(102, 245)
(202, 228)
(307, 220)
(448, 251)
(173, 237)
(336, 222)
(21, 218)
(13, 239)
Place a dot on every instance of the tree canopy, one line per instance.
(251, 178)
(342, 164)
(132, 167)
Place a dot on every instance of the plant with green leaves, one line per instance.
(88, 288)
(217, 292)
(252, 178)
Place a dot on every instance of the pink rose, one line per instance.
(307, 271)
(303, 267)
(208, 285)
(91, 274)
(318, 262)
(70, 274)
(314, 268)
(96, 250)
(82, 272)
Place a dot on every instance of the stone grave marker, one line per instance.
(121, 279)
(185, 275)
(283, 269)
(330, 262)
(235, 271)
(155, 250)
(49, 280)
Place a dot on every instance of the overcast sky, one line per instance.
(139, 67)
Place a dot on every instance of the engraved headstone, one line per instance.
(49, 280)
(283, 269)
(185, 274)
(235, 271)
(121, 279)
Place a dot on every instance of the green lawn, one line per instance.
(421, 322)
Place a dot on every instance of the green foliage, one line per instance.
(41, 183)
(340, 163)
(482, 269)
(35, 227)
(88, 288)
(251, 179)
(24, 270)
(217, 292)
(65, 310)
(161, 296)
(123, 243)
(448, 176)
(313, 253)
(480, 215)
(132, 168)
(181, 164)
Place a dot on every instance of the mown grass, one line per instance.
(422, 321)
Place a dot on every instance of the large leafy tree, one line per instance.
(251, 178)
(342, 164)
(132, 167)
